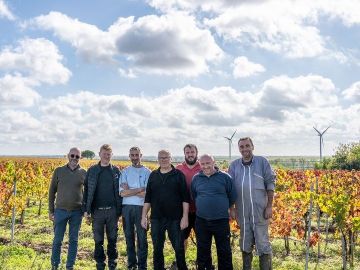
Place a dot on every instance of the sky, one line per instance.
(162, 73)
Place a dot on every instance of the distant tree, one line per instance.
(87, 154)
(346, 157)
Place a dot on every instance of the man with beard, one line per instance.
(189, 168)
(65, 198)
(255, 184)
(133, 183)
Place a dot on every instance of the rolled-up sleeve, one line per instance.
(269, 175)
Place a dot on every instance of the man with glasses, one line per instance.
(168, 198)
(133, 183)
(102, 203)
(65, 198)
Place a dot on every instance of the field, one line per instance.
(336, 235)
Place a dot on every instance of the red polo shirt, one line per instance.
(189, 173)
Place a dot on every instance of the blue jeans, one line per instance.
(61, 219)
(158, 228)
(132, 219)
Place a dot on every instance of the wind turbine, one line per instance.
(230, 142)
(321, 134)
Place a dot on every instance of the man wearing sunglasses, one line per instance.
(65, 199)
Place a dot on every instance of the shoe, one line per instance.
(265, 262)
(54, 267)
(247, 260)
(173, 266)
(100, 266)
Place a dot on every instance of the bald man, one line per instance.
(214, 194)
(168, 198)
(65, 200)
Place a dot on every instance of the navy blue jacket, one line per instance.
(213, 195)
(91, 179)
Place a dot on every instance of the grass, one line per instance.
(32, 249)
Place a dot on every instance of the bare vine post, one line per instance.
(13, 214)
(309, 228)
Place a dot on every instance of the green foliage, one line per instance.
(347, 157)
(87, 154)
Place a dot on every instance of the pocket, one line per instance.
(258, 182)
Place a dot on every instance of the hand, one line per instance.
(268, 212)
(51, 217)
(184, 222)
(232, 213)
(141, 194)
(144, 223)
(124, 186)
(87, 218)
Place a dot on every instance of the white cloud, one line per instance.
(16, 91)
(89, 41)
(245, 68)
(290, 29)
(13, 121)
(353, 92)
(5, 11)
(281, 94)
(168, 44)
(37, 59)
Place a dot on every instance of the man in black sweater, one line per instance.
(102, 205)
(168, 198)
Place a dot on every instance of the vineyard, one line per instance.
(316, 214)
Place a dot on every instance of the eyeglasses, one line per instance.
(74, 156)
(163, 158)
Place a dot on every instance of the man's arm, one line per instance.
(144, 219)
(52, 192)
(268, 209)
(132, 192)
(184, 222)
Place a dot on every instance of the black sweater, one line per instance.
(166, 193)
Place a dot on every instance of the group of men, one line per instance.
(194, 195)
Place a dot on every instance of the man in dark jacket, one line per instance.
(168, 198)
(102, 204)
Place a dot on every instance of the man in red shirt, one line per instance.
(189, 168)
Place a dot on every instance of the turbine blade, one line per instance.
(317, 131)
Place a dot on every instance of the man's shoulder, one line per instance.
(235, 162)
(94, 168)
(260, 159)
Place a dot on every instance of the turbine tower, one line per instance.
(230, 142)
(321, 134)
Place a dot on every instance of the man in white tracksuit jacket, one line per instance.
(255, 184)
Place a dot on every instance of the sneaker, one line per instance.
(173, 266)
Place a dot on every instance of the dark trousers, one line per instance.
(205, 230)
(105, 220)
(131, 215)
(158, 228)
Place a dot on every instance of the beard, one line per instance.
(191, 162)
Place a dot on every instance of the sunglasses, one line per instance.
(74, 156)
